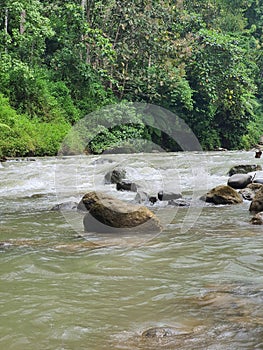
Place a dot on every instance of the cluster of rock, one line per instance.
(118, 177)
(107, 214)
(250, 188)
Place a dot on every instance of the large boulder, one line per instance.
(257, 219)
(239, 181)
(257, 202)
(223, 195)
(111, 215)
(244, 169)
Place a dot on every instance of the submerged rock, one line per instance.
(161, 332)
(257, 202)
(100, 161)
(244, 169)
(108, 214)
(239, 181)
(180, 202)
(222, 195)
(141, 197)
(65, 206)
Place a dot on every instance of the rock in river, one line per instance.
(180, 202)
(249, 192)
(114, 176)
(257, 202)
(143, 197)
(258, 181)
(257, 219)
(126, 186)
(108, 214)
(239, 181)
(161, 332)
(223, 195)
(65, 206)
(167, 196)
(244, 169)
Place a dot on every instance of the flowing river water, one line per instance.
(202, 276)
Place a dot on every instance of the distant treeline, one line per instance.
(61, 60)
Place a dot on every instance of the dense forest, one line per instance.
(61, 60)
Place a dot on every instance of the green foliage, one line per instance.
(254, 132)
(20, 136)
(26, 29)
(221, 75)
(127, 135)
(49, 136)
(62, 60)
(15, 133)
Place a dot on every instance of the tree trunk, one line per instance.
(6, 26)
(22, 21)
(6, 20)
(84, 4)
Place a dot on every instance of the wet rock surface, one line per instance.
(257, 219)
(180, 203)
(222, 195)
(167, 196)
(114, 176)
(70, 205)
(249, 192)
(161, 332)
(257, 202)
(108, 214)
(126, 186)
(244, 169)
(239, 181)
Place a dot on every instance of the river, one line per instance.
(60, 289)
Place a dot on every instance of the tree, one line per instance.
(222, 76)
(25, 30)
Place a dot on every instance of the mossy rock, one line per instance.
(223, 195)
(108, 214)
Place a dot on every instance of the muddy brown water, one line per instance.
(202, 277)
